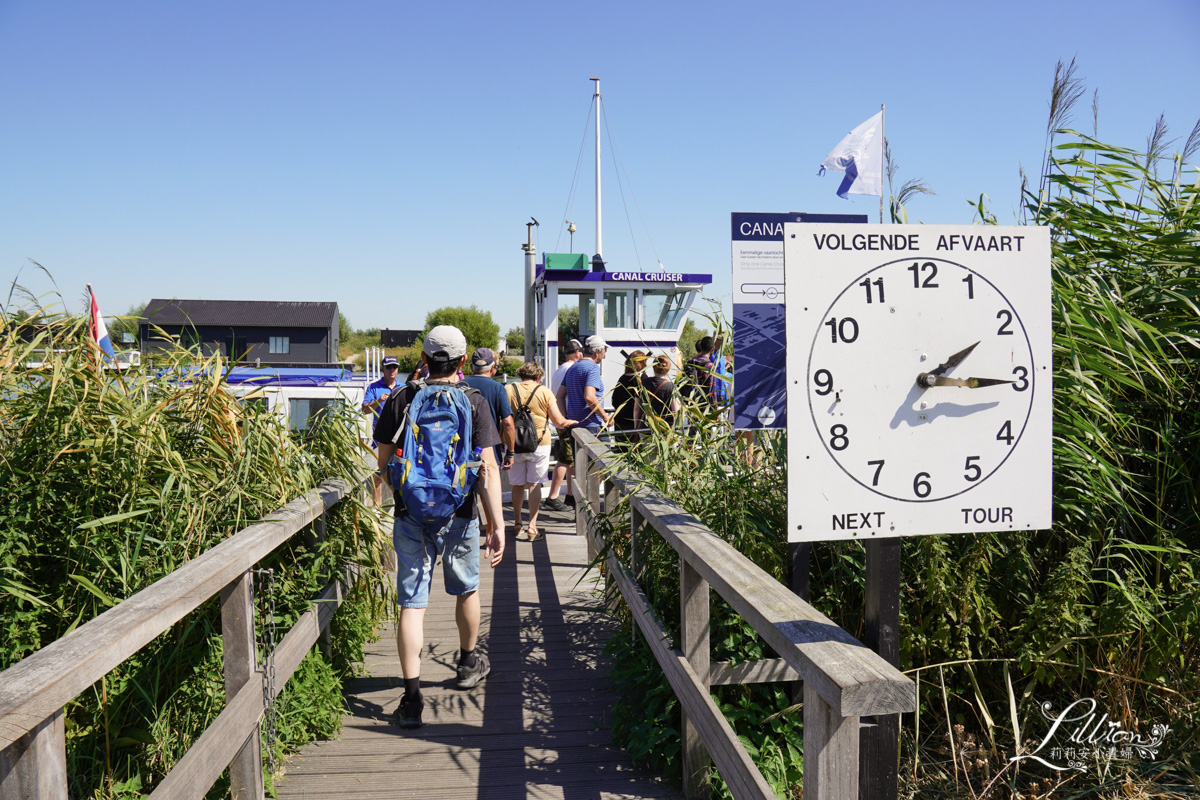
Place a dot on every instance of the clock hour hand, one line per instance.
(928, 379)
(953, 361)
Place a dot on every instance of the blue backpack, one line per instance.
(435, 466)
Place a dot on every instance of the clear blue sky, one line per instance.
(387, 155)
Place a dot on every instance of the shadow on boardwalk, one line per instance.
(537, 727)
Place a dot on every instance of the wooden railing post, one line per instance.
(830, 750)
(237, 635)
(578, 484)
(693, 631)
(34, 767)
(636, 522)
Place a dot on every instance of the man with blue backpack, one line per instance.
(436, 450)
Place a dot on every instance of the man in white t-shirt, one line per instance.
(574, 351)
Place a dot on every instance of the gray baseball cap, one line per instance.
(446, 341)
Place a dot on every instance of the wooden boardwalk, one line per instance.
(537, 727)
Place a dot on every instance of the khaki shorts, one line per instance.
(563, 452)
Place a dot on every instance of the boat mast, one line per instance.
(596, 97)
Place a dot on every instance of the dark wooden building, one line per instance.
(263, 331)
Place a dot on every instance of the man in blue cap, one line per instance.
(374, 398)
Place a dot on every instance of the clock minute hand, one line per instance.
(928, 379)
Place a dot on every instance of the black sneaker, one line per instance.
(571, 500)
(554, 504)
(408, 713)
(470, 676)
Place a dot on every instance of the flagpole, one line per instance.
(882, 152)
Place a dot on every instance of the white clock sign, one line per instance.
(919, 379)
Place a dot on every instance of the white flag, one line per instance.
(860, 156)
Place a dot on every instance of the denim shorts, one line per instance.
(417, 550)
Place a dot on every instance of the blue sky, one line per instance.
(387, 155)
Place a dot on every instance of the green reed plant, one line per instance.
(110, 481)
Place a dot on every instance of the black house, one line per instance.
(263, 331)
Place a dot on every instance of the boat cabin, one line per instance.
(629, 310)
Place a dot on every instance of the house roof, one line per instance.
(241, 312)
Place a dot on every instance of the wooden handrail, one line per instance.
(34, 691)
(843, 679)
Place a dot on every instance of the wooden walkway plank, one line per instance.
(537, 727)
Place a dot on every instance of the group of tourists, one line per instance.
(443, 438)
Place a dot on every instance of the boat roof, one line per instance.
(573, 275)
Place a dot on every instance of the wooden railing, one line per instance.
(843, 679)
(33, 692)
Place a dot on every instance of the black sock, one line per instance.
(412, 686)
(467, 659)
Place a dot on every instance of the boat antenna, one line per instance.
(599, 248)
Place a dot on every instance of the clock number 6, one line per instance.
(921, 487)
(838, 439)
(846, 327)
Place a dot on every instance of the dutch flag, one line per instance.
(98, 328)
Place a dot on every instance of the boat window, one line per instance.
(584, 304)
(663, 308)
(305, 411)
(618, 308)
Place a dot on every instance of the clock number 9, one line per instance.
(921, 487)
(1022, 382)
(846, 327)
(838, 439)
(824, 381)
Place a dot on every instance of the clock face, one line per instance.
(919, 384)
(896, 329)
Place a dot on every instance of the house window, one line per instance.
(280, 344)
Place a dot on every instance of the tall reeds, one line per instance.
(1104, 605)
(111, 480)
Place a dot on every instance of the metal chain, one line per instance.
(266, 663)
